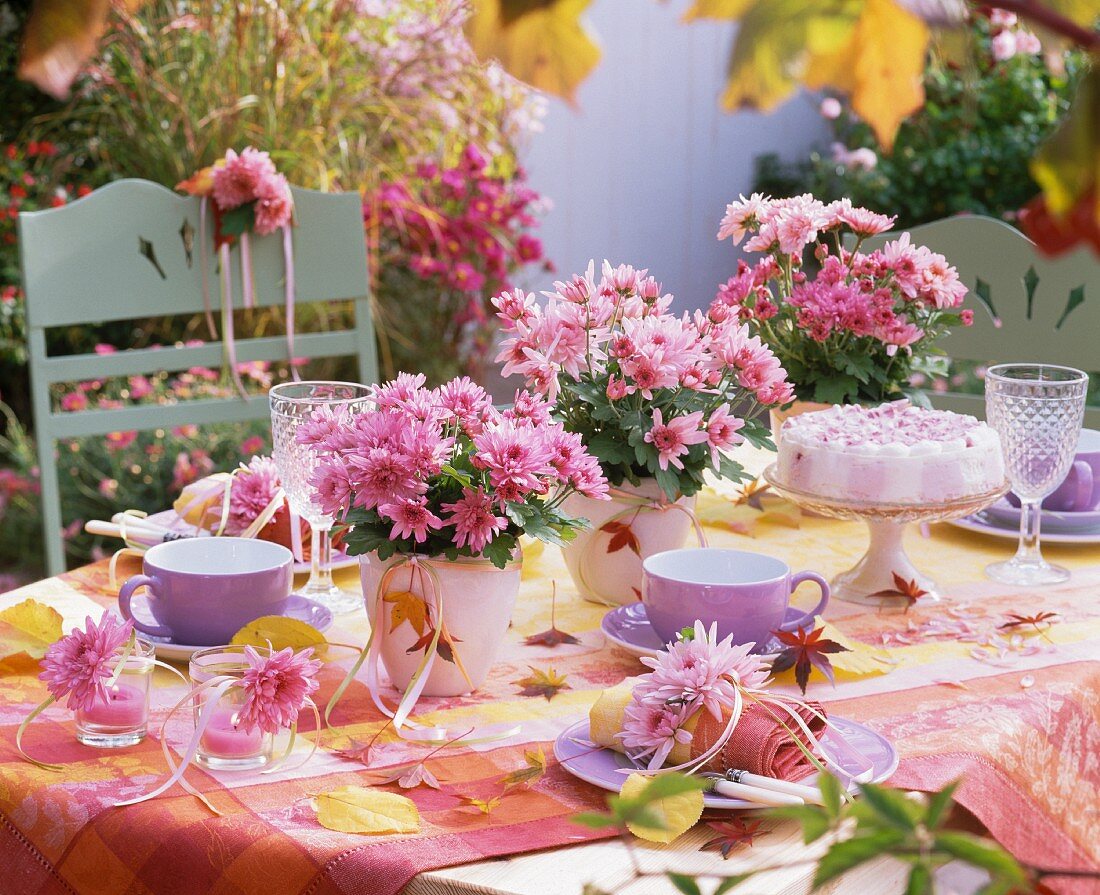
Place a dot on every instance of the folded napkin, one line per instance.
(759, 743)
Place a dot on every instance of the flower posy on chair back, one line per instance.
(441, 472)
(650, 393)
(865, 323)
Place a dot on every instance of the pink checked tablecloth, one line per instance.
(1018, 720)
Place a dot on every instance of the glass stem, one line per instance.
(320, 557)
(1030, 515)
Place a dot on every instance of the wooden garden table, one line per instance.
(1027, 753)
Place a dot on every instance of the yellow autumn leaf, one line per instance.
(881, 66)
(546, 44)
(28, 627)
(861, 658)
(280, 632)
(717, 9)
(405, 606)
(356, 809)
(678, 813)
(1068, 164)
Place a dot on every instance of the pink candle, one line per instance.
(125, 708)
(224, 738)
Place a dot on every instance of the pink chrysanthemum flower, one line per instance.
(274, 205)
(742, 216)
(80, 663)
(474, 521)
(276, 688)
(652, 728)
(722, 432)
(251, 492)
(674, 437)
(411, 518)
(239, 180)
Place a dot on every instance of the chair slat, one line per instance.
(143, 418)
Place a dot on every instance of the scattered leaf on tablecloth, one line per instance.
(485, 806)
(281, 632)
(356, 809)
(533, 768)
(859, 658)
(622, 535)
(28, 627)
(732, 833)
(552, 636)
(804, 650)
(1041, 622)
(676, 813)
(406, 606)
(542, 683)
(411, 776)
(910, 590)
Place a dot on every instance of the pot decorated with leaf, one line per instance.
(657, 399)
(863, 328)
(433, 488)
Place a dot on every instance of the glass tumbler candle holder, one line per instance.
(225, 744)
(123, 718)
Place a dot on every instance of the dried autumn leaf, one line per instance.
(356, 809)
(281, 632)
(732, 833)
(533, 768)
(542, 683)
(907, 589)
(411, 776)
(59, 38)
(542, 42)
(804, 650)
(677, 813)
(860, 658)
(1041, 621)
(28, 627)
(552, 636)
(406, 606)
(485, 806)
(622, 535)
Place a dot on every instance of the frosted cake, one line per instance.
(894, 453)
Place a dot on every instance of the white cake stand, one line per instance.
(871, 580)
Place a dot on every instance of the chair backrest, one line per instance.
(131, 250)
(1027, 308)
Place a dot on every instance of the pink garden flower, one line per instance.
(651, 730)
(274, 205)
(473, 519)
(742, 217)
(276, 688)
(411, 518)
(242, 176)
(674, 438)
(80, 663)
(721, 432)
(251, 492)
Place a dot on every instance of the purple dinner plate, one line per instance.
(628, 627)
(603, 767)
(1004, 513)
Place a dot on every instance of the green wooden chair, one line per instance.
(130, 250)
(1027, 308)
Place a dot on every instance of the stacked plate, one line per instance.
(1002, 520)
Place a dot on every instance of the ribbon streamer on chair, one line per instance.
(635, 504)
(371, 655)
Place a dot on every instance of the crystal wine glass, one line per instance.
(292, 403)
(1037, 410)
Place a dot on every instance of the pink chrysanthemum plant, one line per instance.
(80, 667)
(850, 326)
(651, 394)
(442, 472)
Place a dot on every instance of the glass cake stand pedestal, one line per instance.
(885, 573)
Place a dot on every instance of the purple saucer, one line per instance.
(628, 628)
(602, 767)
(1004, 513)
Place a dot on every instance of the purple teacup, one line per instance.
(201, 591)
(746, 594)
(1080, 489)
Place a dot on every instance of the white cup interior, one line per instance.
(218, 556)
(709, 565)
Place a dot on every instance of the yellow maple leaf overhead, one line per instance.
(357, 809)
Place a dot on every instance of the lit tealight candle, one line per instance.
(125, 708)
(225, 738)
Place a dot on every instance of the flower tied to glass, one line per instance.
(701, 675)
(274, 688)
(246, 195)
(81, 667)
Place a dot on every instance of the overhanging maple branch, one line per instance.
(1052, 21)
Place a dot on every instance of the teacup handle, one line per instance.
(1083, 497)
(124, 596)
(805, 617)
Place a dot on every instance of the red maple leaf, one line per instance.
(1040, 621)
(552, 636)
(805, 650)
(622, 535)
(733, 833)
(910, 590)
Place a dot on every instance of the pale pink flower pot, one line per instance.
(478, 599)
(605, 560)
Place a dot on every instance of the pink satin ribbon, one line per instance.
(248, 287)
